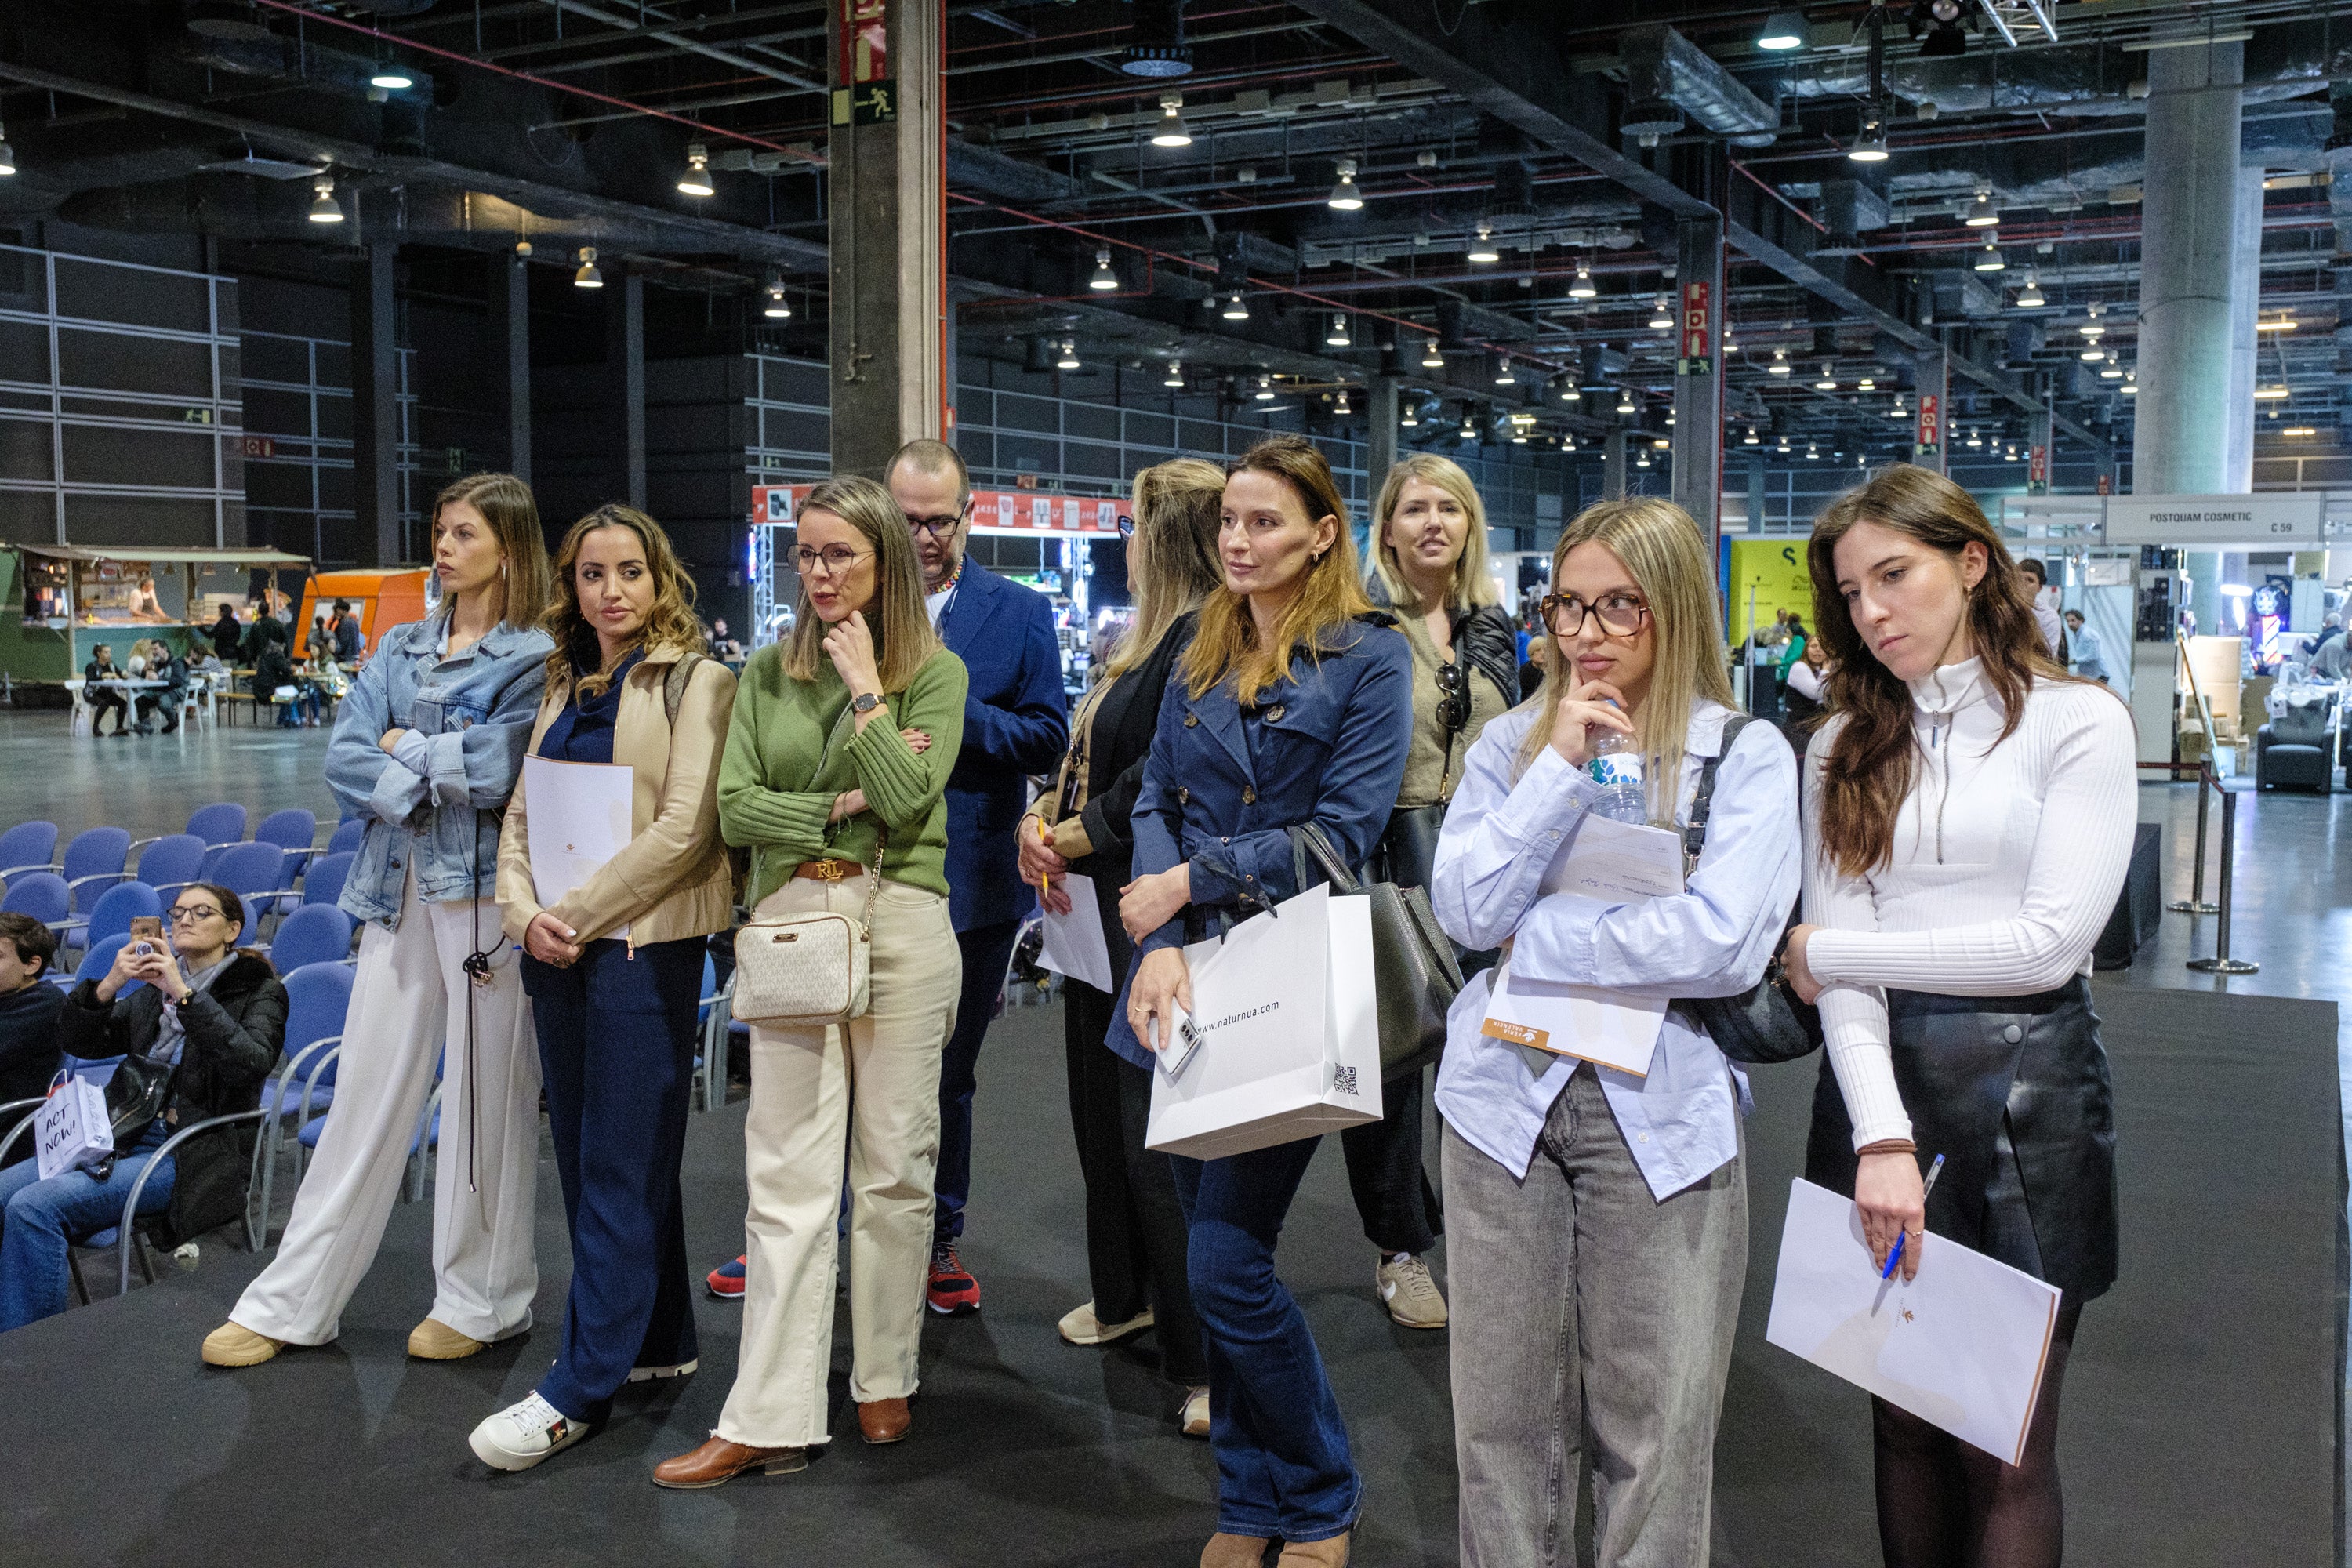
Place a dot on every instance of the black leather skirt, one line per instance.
(2013, 1092)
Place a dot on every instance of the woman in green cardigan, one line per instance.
(846, 732)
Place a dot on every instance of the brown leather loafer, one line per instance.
(1225, 1550)
(719, 1461)
(883, 1420)
(1329, 1553)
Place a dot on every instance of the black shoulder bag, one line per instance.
(1765, 1023)
(1412, 958)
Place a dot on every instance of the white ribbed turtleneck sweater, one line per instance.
(2008, 858)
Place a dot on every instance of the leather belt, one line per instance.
(827, 870)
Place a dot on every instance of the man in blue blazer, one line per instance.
(1015, 723)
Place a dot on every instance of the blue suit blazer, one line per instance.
(1015, 723)
(1225, 784)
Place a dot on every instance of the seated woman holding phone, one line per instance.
(213, 1019)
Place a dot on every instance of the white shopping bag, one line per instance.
(70, 1129)
(1285, 1012)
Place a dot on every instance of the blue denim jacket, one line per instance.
(1225, 784)
(436, 809)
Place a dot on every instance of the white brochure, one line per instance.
(1074, 942)
(1615, 861)
(580, 815)
(1590, 1021)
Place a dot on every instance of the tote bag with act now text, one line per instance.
(1286, 1032)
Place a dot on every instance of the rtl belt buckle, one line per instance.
(828, 870)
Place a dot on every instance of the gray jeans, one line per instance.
(1580, 1302)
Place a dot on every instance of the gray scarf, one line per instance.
(171, 1039)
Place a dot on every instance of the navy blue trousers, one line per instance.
(986, 950)
(616, 1051)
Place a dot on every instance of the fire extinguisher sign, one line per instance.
(1697, 356)
(1931, 425)
(2037, 471)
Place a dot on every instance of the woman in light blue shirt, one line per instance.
(1599, 1220)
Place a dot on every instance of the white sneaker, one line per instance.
(1409, 1294)
(1193, 1419)
(523, 1434)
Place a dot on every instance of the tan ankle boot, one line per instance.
(1330, 1553)
(1233, 1550)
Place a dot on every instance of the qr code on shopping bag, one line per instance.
(1343, 1080)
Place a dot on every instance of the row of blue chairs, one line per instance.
(101, 857)
(259, 874)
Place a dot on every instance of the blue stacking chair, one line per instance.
(27, 846)
(714, 1016)
(318, 998)
(40, 894)
(94, 861)
(323, 883)
(347, 836)
(172, 862)
(291, 830)
(98, 961)
(220, 823)
(111, 916)
(255, 873)
(313, 933)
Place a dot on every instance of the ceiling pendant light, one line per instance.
(1504, 375)
(324, 208)
(7, 155)
(696, 181)
(1567, 391)
(1898, 411)
(1643, 461)
(1175, 376)
(587, 276)
(1483, 250)
(2030, 298)
(2093, 354)
(1624, 400)
(1432, 357)
(1828, 382)
(391, 77)
(1171, 132)
(1779, 365)
(778, 308)
(1337, 336)
(1975, 439)
(1981, 213)
(1753, 438)
(2111, 372)
(1582, 287)
(1412, 417)
(1469, 427)
(1236, 311)
(1344, 198)
(1870, 147)
(1069, 360)
(1728, 346)
(1812, 453)
(1866, 384)
(2131, 381)
(1784, 446)
(1341, 406)
(1782, 30)
(1988, 260)
(1662, 318)
(1104, 280)
(1266, 389)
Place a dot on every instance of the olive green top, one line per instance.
(794, 745)
(1427, 777)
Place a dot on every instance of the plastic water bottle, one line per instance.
(1616, 767)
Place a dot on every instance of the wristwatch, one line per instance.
(864, 702)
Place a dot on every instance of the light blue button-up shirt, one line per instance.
(1714, 938)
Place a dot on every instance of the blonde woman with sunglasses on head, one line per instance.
(1598, 1219)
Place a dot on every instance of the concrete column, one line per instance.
(1931, 383)
(375, 410)
(2189, 220)
(1755, 492)
(886, 231)
(1381, 413)
(1696, 482)
(1613, 465)
(624, 360)
(511, 327)
(2245, 344)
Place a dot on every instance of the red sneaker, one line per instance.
(726, 1281)
(952, 1290)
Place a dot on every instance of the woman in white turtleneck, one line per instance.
(1968, 817)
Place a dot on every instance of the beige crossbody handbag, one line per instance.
(808, 971)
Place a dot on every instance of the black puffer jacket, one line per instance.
(1484, 634)
(234, 1029)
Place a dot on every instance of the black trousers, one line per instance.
(1136, 1236)
(1393, 1196)
(100, 702)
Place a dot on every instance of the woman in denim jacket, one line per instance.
(428, 749)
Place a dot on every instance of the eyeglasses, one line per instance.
(835, 559)
(189, 914)
(1620, 614)
(1126, 527)
(1452, 696)
(938, 527)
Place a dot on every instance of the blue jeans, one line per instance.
(39, 1219)
(616, 1042)
(1283, 1464)
(986, 950)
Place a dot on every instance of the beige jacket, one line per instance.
(672, 880)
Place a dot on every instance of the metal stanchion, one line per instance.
(2222, 962)
(2195, 904)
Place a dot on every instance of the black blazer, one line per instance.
(1121, 744)
(235, 1030)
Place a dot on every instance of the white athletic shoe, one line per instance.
(523, 1434)
(661, 1373)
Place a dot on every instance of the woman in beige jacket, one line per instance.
(613, 965)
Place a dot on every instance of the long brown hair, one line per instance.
(904, 639)
(1873, 756)
(507, 504)
(1174, 551)
(1330, 591)
(669, 624)
(1659, 545)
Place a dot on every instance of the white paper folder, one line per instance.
(580, 815)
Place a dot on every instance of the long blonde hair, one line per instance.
(1472, 585)
(507, 504)
(1659, 544)
(904, 639)
(1330, 591)
(670, 624)
(1178, 512)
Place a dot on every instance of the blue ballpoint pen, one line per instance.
(1895, 1253)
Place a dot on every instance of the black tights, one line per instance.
(1943, 1503)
